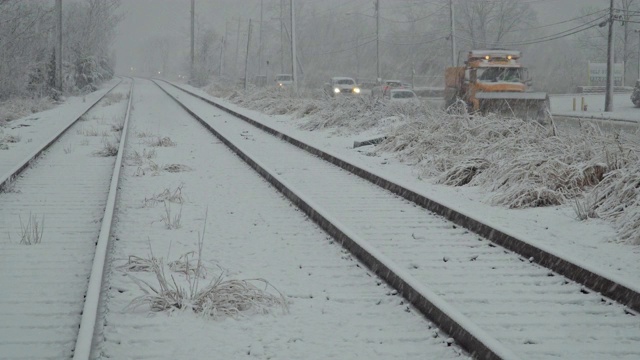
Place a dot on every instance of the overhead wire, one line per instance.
(583, 27)
(338, 51)
(561, 22)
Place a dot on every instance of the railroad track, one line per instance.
(524, 303)
(495, 304)
(53, 202)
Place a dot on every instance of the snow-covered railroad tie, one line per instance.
(531, 311)
(51, 210)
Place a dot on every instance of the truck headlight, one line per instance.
(356, 90)
(336, 90)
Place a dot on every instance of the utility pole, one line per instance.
(260, 38)
(235, 64)
(378, 41)
(222, 56)
(293, 49)
(608, 100)
(281, 38)
(225, 38)
(638, 31)
(58, 79)
(193, 32)
(246, 59)
(454, 61)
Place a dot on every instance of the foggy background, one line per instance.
(337, 38)
(558, 38)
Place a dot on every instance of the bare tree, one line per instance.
(492, 23)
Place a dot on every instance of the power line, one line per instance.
(418, 43)
(565, 33)
(341, 50)
(561, 22)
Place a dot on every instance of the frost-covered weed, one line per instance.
(617, 198)
(220, 298)
(161, 142)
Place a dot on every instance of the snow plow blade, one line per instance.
(525, 105)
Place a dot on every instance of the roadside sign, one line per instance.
(598, 74)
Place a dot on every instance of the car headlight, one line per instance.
(336, 90)
(356, 90)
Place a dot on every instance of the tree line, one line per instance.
(28, 38)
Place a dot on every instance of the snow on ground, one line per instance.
(594, 242)
(21, 137)
(336, 309)
(623, 108)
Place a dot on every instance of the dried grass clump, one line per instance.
(523, 163)
(139, 159)
(117, 126)
(188, 264)
(88, 132)
(108, 149)
(350, 115)
(174, 196)
(617, 198)
(32, 231)
(220, 298)
(463, 172)
(17, 108)
(112, 98)
(138, 264)
(11, 139)
(144, 134)
(171, 221)
(232, 298)
(161, 142)
(176, 168)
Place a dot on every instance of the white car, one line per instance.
(341, 86)
(382, 89)
(401, 95)
(284, 80)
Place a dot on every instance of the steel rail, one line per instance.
(85, 341)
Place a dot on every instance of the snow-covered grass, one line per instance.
(220, 298)
(162, 142)
(519, 164)
(32, 230)
(20, 107)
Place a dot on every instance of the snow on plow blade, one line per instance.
(525, 105)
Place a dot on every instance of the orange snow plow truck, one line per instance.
(495, 81)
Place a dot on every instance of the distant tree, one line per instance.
(492, 23)
(25, 27)
(88, 34)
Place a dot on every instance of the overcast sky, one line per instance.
(146, 18)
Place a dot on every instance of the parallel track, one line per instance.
(40, 318)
